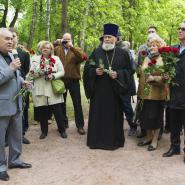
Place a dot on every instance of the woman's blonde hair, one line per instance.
(154, 38)
(42, 43)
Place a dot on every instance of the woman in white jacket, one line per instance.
(45, 68)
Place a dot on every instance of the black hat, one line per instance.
(111, 29)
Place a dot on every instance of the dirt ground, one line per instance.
(58, 161)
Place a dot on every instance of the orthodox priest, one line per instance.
(106, 80)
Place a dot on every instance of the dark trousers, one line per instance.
(167, 123)
(74, 89)
(25, 124)
(177, 120)
(56, 109)
(128, 110)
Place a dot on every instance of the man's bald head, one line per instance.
(67, 40)
(6, 40)
(67, 36)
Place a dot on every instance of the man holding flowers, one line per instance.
(177, 97)
(10, 114)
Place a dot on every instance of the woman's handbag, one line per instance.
(58, 86)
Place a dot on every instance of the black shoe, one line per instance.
(25, 141)
(81, 131)
(144, 143)
(172, 152)
(151, 148)
(21, 166)
(4, 176)
(43, 136)
(132, 132)
(64, 135)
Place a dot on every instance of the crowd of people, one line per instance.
(109, 84)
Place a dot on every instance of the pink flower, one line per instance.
(50, 70)
(42, 66)
(32, 72)
(52, 60)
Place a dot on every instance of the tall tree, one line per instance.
(64, 23)
(33, 24)
(48, 20)
(5, 12)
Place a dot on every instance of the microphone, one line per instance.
(15, 54)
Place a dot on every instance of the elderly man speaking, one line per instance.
(106, 80)
(10, 110)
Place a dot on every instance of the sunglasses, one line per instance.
(181, 28)
(151, 31)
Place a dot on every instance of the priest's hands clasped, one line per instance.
(113, 74)
(99, 71)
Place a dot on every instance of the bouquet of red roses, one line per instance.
(170, 58)
(152, 69)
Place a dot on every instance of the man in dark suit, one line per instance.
(10, 113)
(25, 65)
(71, 58)
(177, 99)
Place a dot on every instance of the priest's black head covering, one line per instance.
(111, 29)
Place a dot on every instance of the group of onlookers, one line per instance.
(109, 84)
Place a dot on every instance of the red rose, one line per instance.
(52, 60)
(49, 70)
(84, 57)
(150, 64)
(32, 72)
(142, 53)
(161, 50)
(175, 50)
(42, 66)
(153, 61)
(168, 49)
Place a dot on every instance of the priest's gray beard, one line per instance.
(108, 47)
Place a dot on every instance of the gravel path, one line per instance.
(70, 162)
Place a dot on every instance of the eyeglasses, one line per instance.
(181, 28)
(151, 32)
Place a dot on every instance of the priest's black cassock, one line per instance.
(105, 124)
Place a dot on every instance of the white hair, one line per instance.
(3, 30)
(153, 37)
(126, 44)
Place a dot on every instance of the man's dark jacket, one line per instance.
(177, 92)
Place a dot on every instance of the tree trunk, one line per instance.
(12, 24)
(3, 21)
(33, 25)
(40, 20)
(48, 20)
(64, 16)
(84, 23)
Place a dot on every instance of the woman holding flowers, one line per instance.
(45, 68)
(151, 90)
